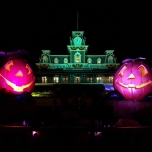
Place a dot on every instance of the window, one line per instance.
(110, 59)
(77, 57)
(77, 79)
(89, 79)
(98, 61)
(111, 79)
(65, 60)
(98, 79)
(45, 59)
(44, 79)
(56, 60)
(56, 79)
(65, 79)
(89, 60)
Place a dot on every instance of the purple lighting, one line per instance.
(35, 133)
(17, 76)
(97, 134)
(24, 123)
(133, 79)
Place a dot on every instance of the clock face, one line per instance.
(77, 40)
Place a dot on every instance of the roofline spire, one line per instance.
(77, 19)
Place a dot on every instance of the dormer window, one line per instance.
(45, 59)
(89, 60)
(65, 60)
(56, 60)
(110, 59)
(99, 61)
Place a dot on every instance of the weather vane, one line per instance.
(77, 19)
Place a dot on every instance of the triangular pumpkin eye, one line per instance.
(8, 64)
(19, 74)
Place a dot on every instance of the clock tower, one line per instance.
(77, 47)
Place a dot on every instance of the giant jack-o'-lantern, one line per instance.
(17, 76)
(133, 79)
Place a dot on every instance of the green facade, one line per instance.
(77, 63)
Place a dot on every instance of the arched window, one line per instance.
(110, 59)
(98, 60)
(56, 60)
(77, 57)
(45, 59)
(89, 60)
(65, 60)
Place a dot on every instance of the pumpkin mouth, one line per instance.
(133, 86)
(16, 88)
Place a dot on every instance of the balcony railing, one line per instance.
(79, 66)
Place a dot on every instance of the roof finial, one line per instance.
(77, 19)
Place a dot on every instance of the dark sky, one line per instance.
(124, 27)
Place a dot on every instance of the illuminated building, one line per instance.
(77, 66)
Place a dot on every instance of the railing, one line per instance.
(78, 66)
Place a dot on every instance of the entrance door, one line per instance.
(77, 79)
(65, 79)
(98, 79)
(44, 79)
(56, 79)
(89, 79)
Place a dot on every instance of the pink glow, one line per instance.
(17, 76)
(24, 123)
(97, 134)
(133, 80)
(35, 133)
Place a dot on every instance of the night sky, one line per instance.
(124, 27)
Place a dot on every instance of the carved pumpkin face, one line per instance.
(133, 80)
(17, 76)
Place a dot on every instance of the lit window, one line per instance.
(89, 60)
(44, 79)
(110, 59)
(98, 79)
(110, 79)
(77, 58)
(65, 79)
(98, 60)
(56, 60)
(77, 79)
(65, 60)
(45, 59)
(89, 79)
(56, 79)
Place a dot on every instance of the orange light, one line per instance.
(7, 66)
(131, 76)
(19, 74)
(27, 66)
(143, 70)
(17, 88)
(122, 71)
